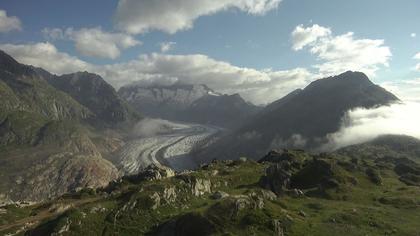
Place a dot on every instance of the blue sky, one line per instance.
(232, 34)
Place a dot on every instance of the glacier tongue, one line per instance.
(171, 148)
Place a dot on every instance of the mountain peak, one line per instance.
(346, 80)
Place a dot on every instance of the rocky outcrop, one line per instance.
(276, 179)
(154, 172)
(197, 186)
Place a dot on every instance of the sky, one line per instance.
(262, 49)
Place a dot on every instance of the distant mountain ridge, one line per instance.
(303, 118)
(190, 103)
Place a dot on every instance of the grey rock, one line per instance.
(156, 201)
(219, 195)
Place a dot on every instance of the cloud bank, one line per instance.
(171, 16)
(341, 53)
(361, 125)
(9, 23)
(94, 42)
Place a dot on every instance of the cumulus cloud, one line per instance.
(302, 37)
(47, 56)
(140, 16)
(343, 52)
(9, 23)
(94, 42)
(166, 46)
(361, 125)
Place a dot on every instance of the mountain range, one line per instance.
(189, 103)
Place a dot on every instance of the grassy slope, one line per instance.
(365, 208)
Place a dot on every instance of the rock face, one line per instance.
(303, 118)
(191, 103)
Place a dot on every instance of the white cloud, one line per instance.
(302, 37)
(413, 35)
(47, 56)
(343, 52)
(257, 86)
(94, 42)
(140, 16)
(167, 46)
(8, 23)
(361, 125)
